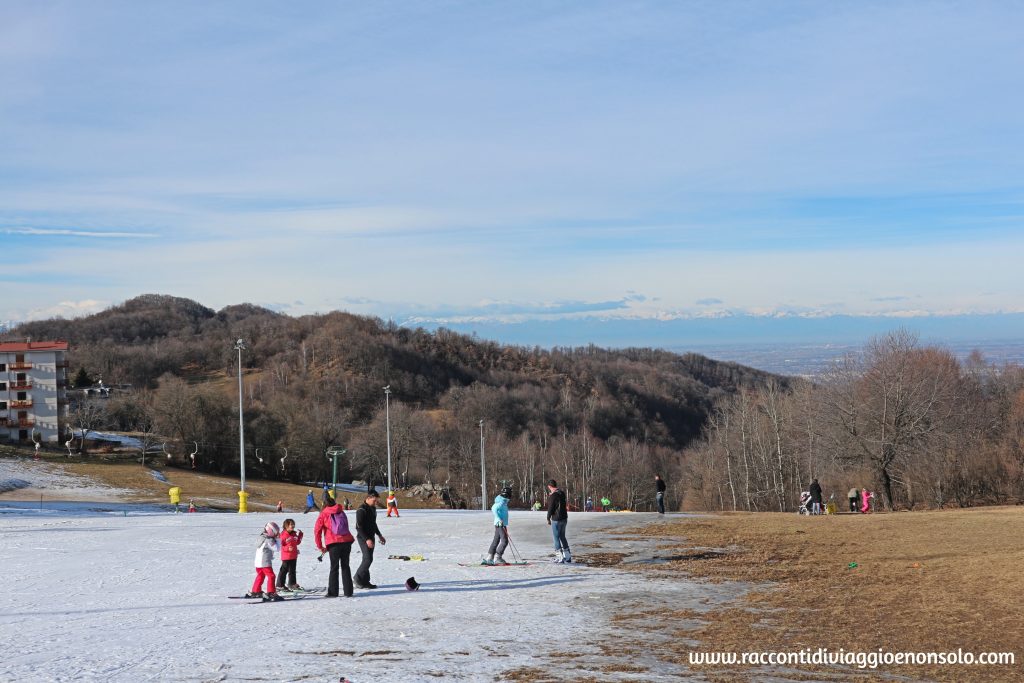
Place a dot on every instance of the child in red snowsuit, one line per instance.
(392, 504)
(290, 540)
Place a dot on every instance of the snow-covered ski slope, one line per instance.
(142, 596)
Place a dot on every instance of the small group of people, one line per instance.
(860, 498)
(557, 516)
(332, 537)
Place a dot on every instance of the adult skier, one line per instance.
(500, 540)
(659, 495)
(310, 502)
(332, 537)
(366, 531)
(558, 515)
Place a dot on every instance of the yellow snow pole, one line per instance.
(243, 498)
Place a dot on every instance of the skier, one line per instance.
(310, 502)
(331, 535)
(280, 506)
(558, 515)
(659, 495)
(290, 540)
(500, 540)
(269, 542)
(392, 504)
(191, 505)
(366, 531)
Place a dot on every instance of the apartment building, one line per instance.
(33, 385)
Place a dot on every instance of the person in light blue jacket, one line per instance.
(500, 540)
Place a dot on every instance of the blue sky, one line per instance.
(514, 162)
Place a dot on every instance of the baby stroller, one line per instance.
(805, 501)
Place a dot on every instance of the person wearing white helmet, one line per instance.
(269, 543)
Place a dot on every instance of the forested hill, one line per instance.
(343, 361)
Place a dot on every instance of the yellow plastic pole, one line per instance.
(243, 498)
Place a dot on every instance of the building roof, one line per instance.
(25, 346)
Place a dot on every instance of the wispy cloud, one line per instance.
(60, 232)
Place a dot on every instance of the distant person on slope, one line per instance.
(366, 531)
(269, 543)
(500, 540)
(392, 504)
(332, 536)
(558, 516)
(659, 496)
(310, 502)
(815, 491)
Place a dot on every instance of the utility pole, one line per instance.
(387, 422)
(239, 346)
(483, 470)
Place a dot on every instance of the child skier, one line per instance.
(269, 542)
(392, 504)
(290, 540)
(500, 540)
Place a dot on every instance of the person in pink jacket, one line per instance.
(290, 540)
(332, 536)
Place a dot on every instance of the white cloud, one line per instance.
(58, 232)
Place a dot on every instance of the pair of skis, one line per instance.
(284, 593)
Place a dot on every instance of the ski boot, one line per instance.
(557, 558)
(566, 556)
(272, 597)
(500, 561)
(488, 561)
(252, 594)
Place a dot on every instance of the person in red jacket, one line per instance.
(290, 540)
(332, 536)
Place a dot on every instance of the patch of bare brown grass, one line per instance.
(924, 582)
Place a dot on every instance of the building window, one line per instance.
(22, 396)
(3, 405)
(3, 386)
(3, 367)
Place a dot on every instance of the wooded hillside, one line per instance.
(601, 421)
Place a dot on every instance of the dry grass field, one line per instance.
(208, 490)
(923, 582)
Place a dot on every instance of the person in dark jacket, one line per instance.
(659, 495)
(366, 532)
(815, 491)
(558, 515)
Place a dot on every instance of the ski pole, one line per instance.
(515, 550)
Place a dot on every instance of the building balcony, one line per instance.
(27, 403)
(20, 366)
(20, 386)
(25, 423)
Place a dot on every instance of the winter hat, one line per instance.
(411, 585)
(271, 529)
(507, 492)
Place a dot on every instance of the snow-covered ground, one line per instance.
(141, 595)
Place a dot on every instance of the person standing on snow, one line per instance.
(392, 504)
(500, 540)
(310, 502)
(659, 495)
(366, 531)
(558, 515)
(269, 543)
(331, 535)
(290, 540)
